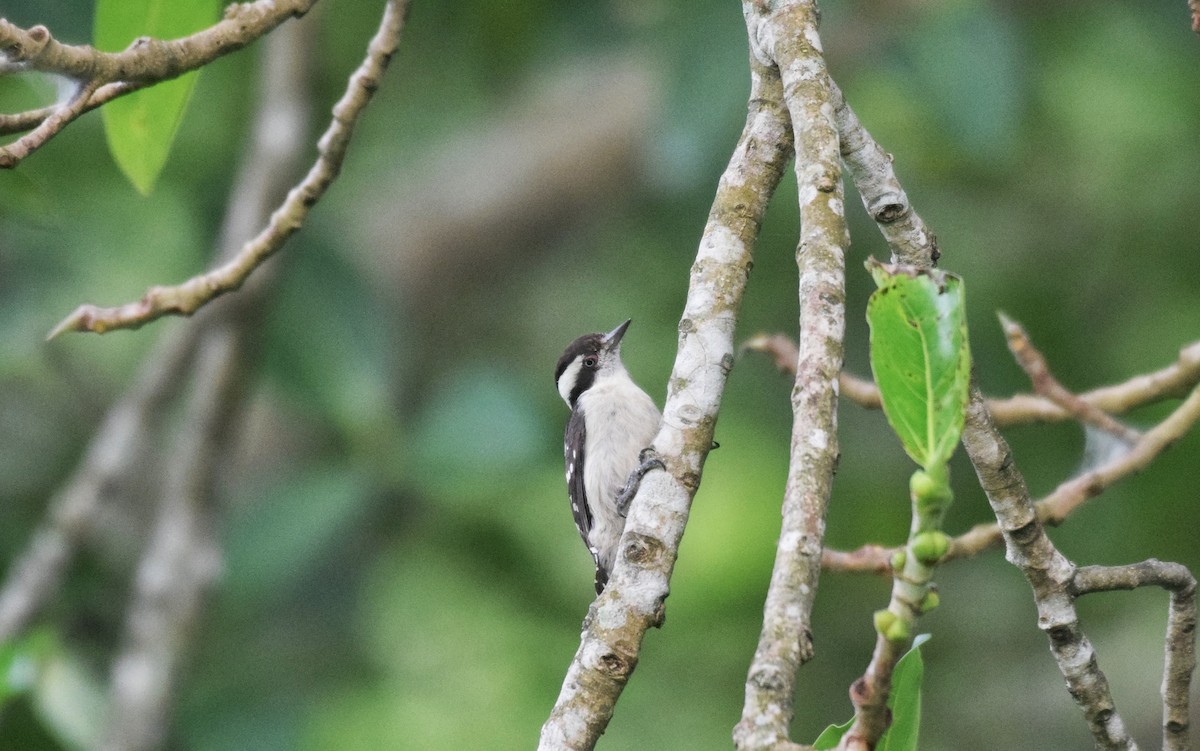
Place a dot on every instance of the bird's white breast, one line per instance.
(621, 421)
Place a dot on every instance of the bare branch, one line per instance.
(1054, 508)
(1179, 661)
(145, 61)
(786, 36)
(181, 561)
(882, 195)
(186, 298)
(30, 119)
(118, 447)
(633, 600)
(1174, 381)
(57, 120)
(1034, 364)
(1048, 572)
(1069, 495)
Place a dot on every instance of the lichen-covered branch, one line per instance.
(1048, 572)
(186, 298)
(786, 36)
(1179, 660)
(146, 61)
(633, 600)
(912, 243)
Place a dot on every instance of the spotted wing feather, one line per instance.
(573, 447)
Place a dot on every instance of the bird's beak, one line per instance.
(613, 338)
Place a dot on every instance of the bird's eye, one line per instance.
(590, 361)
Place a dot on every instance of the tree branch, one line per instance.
(145, 61)
(633, 600)
(118, 447)
(786, 36)
(912, 243)
(1048, 572)
(1033, 362)
(180, 562)
(1179, 661)
(186, 298)
(1174, 381)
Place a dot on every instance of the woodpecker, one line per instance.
(605, 445)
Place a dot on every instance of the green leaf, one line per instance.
(920, 357)
(832, 735)
(905, 701)
(141, 126)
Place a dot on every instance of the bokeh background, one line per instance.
(401, 570)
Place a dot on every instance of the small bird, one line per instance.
(612, 423)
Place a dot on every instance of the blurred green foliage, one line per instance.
(401, 568)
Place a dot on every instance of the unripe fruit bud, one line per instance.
(929, 601)
(898, 631)
(930, 547)
(884, 620)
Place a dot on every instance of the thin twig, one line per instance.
(186, 298)
(633, 601)
(145, 61)
(48, 128)
(1054, 508)
(786, 37)
(29, 119)
(1174, 381)
(1033, 362)
(1072, 493)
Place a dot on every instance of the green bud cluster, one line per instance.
(891, 627)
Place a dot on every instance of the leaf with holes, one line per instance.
(920, 357)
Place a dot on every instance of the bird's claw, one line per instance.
(647, 460)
